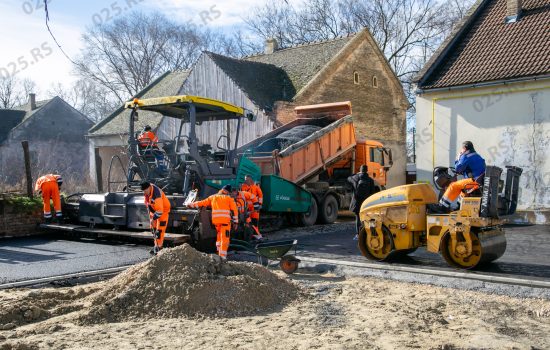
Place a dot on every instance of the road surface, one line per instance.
(528, 252)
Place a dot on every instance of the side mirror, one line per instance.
(390, 160)
(250, 116)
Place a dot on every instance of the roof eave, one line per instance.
(420, 91)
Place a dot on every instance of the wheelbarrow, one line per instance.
(272, 250)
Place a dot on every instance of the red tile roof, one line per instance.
(488, 49)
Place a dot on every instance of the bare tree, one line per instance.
(127, 54)
(14, 92)
(88, 97)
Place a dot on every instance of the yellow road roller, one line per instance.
(396, 221)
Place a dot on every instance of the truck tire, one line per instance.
(328, 212)
(309, 218)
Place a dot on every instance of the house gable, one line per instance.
(360, 73)
(484, 48)
(208, 78)
(55, 120)
(262, 83)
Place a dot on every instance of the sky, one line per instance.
(28, 50)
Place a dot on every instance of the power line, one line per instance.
(53, 36)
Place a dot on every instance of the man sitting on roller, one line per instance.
(469, 163)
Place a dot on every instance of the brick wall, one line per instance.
(17, 223)
(379, 112)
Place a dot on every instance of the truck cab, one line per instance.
(377, 158)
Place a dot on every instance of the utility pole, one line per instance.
(28, 174)
(414, 145)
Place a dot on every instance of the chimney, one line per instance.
(513, 10)
(271, 45)
(32, 101)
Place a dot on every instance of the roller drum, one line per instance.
(493, 244)
(487, 245)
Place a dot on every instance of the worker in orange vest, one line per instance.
(159, 209)
(148, 142)
(224, 212)
(48, 186)
(250, 186)
(147, 138)
(247, 203)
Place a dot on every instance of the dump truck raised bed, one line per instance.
(318, 151)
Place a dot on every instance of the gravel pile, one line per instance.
(184, 282)
(178, 282)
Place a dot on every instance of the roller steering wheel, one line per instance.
(451, 171)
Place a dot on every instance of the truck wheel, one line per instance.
(329, 210)
(309, 218)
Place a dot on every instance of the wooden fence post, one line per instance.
(28, 174)
(98, 172)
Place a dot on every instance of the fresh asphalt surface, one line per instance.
(47, 256)
(528, 253)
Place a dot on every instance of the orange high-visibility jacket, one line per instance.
(252, 202)
(43, 179)
(255, 190)
(158, 204)
(223, 206)
(148, 138)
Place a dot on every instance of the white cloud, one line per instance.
(25, 36)
(29, 50)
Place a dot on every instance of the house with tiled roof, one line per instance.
(56, 135)
(273, 83)
(489, 83)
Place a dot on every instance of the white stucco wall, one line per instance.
(508, 124)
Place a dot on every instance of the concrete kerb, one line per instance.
(505, 285)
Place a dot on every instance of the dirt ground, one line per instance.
(332, 313)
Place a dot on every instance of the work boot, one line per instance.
(437, 209)
(155, 250)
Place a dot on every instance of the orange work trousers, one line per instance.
(223, 239)
(454, 189)
(255, 219)
(50, 190)
(160, 225)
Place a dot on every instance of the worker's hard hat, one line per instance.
(59, 179)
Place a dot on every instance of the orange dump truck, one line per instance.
(319, 150)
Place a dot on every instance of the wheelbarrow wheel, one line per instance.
(289, 264)
(263, 261)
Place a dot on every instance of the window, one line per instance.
(356, 78)
(374, 82)
(377, 155)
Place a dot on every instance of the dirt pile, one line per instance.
(38, 305)
(184, 282)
